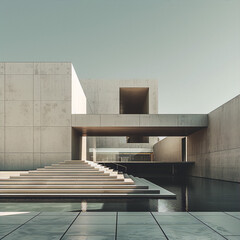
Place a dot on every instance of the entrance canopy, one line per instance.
(139, 124)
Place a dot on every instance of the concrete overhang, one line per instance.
(139, 124)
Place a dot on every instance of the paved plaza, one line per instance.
(119, 225)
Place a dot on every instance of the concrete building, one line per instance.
(48, 115)
(215, 150)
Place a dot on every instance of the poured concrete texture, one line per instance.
(216, 149)
(168, 150)
(41, 102)
(119, 225)
(140, 120)
(35, 114)
(104, 95)
(139, 124)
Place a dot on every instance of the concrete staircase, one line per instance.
(75, 179)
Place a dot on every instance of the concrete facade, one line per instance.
(35, 114)
(104, 95)
(168, 150)
(48, 115)
(103, 109)
(216, 149)
(104, 116)
(37, 103)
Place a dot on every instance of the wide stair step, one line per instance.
(67, 178)
(59, 191)
(61, 182)
(75, 178)
(64, 174)
(56, 186)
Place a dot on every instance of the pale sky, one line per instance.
(192, 47)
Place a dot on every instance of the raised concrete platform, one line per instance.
(98, 182)
(142, 124)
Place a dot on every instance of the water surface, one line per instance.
(193, 194)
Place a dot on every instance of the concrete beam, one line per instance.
(139, 124)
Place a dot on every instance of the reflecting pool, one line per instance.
(193, 194)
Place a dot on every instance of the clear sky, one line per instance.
(192, 47)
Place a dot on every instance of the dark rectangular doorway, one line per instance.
(134, 100)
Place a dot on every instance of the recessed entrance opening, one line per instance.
(137, 139)
(134, 100)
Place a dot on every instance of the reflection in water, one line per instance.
(84, 206)
(199, 194)
(87, 205)
(193, 194)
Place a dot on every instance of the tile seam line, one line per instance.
(233, 217)
(116, 226)
(69, 226)
(207, 225)
(19, 226)
(159, 226)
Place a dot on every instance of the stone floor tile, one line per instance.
(234, 214)
(88, 238)
(91, 230)
(137, 232)
(95, 220)
(178, 219)
(134, 213)
(19, 213)
(19, 236)
(14, 219)
(233, 237)
(59, 214)
(5, 229)
(193, 232)
(141, 219)
(208, 213)
(98, 213)
(170, 213)
(58, 220)
(225, 225)
(38, 232)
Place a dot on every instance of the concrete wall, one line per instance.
(103, 97)
(216, 150)
(168, 150)
(35, 114)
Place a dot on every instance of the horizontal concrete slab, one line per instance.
(62, 182)
(71, 186)
(73, 190)
(52, 184)
(139, 124)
